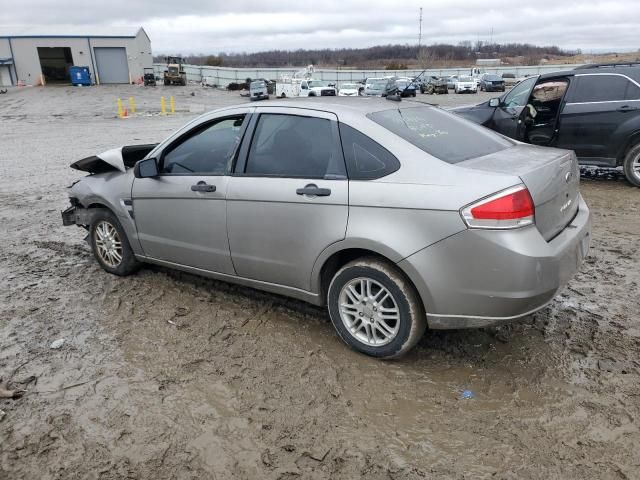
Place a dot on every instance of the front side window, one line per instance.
(519, 95)
(365, 158)
(444, 135)
(600, 88)
(206, 151)
(294, 146)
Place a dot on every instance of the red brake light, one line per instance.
(511, 208)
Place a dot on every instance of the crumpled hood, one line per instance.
(118, 159)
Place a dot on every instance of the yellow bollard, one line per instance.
(163, 106)
(120, 109)
(172, 104)
(132, 105)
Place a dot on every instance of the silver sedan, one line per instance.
(395, 215)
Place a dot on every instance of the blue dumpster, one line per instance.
(80, 76)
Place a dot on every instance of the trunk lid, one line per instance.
(552, 177)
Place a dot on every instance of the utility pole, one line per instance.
(420, 32)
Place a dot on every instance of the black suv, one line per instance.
(593, 109)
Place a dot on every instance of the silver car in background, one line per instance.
(375, 87)
(395, 215)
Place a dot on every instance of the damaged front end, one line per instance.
(76, 214)
(105, 181)
(115, 159)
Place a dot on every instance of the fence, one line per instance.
(222, 76)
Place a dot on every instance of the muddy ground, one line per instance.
(164, 375)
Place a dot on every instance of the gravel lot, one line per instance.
(244, 384)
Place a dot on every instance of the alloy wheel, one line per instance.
(635, 166)
(108, 244)
(369, 312)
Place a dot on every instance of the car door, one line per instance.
(180, 215)
(288, 197)
(508, 117)
(597, 105)
(304, 89)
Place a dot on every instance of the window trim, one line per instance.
(240, 165)
(606, 101)
(194, 131)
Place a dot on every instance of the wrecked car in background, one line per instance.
(395, 215)
(593, 110)
(435, 85)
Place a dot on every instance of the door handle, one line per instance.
(626, 108)
(312, 189)
(203, 187)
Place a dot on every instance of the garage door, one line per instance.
(112, 64)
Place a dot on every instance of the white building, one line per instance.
(33, 56)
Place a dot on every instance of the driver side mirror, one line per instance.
(494, 102)
(147, 168)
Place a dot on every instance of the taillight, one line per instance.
(510, 208)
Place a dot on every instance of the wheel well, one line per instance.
(339, 259)
(98, 205)
(633, 141)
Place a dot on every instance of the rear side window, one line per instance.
(600, 88)
(633, 92)
(366, 159)
(444, 135)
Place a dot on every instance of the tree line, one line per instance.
(385, 55)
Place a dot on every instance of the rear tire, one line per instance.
(110, 245)
(375, 309)
(632, 165)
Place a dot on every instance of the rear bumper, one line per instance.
(478, 278)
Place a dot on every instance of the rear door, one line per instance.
(597, 105)
(181, 214)
(288, 197)
(509, 116)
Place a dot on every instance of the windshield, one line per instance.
(442, 134)
(492, 78)
(377, 83)
(349, 86)
(465, 79)
(257, 85)
(317, 83)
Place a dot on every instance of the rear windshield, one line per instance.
(441, 134)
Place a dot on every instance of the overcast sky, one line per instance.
(212, 26)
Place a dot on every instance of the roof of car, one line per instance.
(337, 105)
(631, 70)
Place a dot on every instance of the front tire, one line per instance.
(110, 245)
(632, 165)
(375, 309)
